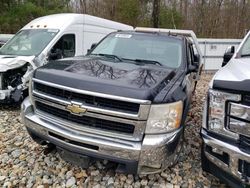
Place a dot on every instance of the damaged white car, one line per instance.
(47, 38)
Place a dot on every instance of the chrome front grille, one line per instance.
(124, 118)
(88, 99)
(87, 121)
(246, 99)
(1, 80)
(239, 118)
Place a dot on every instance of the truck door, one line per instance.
(190, 77)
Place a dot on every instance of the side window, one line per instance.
(65, 47)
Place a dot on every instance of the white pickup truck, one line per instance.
(226, 121)
(47, 38)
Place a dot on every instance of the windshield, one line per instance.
(28, 42)
(245, 51)
(142, 48)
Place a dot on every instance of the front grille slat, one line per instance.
(246, 99)
(1, 81)
(244, 168)
(86, 121)
(94, 101)
(238, 118)
(244, 143)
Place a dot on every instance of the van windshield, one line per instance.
(28, 42)
(142, 48)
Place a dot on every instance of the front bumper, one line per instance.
(223, 160)
(154, 154)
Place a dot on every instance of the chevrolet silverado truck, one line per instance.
(126, 101)
(226, 120)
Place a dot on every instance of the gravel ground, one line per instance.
(23, 164)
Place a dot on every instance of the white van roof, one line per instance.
(60, 21)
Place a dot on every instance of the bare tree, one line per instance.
(156, 13)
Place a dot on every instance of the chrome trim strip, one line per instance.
(142, 114)
(119, 98)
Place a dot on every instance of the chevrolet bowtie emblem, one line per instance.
(76, 109)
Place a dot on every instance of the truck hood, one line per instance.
(114, 78)
(8, 62)
(234, 76)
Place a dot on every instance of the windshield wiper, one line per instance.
(245, 55)
(145, 61)
(109, 56)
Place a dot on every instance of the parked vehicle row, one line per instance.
(47, 38)
(127, 99)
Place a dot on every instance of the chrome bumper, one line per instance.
(234, 153)
(154, 154)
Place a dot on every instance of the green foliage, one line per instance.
(170, 18)
(17, 14)
(128, 11)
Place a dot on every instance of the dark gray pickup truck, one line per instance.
(126, 101)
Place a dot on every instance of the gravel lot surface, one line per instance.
(23, 164)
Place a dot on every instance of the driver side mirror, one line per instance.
(92, 47)
(196, 58)
(228, 55)
(193, 68)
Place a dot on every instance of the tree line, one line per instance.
(207, 18)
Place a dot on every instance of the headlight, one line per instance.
(217, 111)
(164, 117)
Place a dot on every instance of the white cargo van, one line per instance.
(49, 37)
